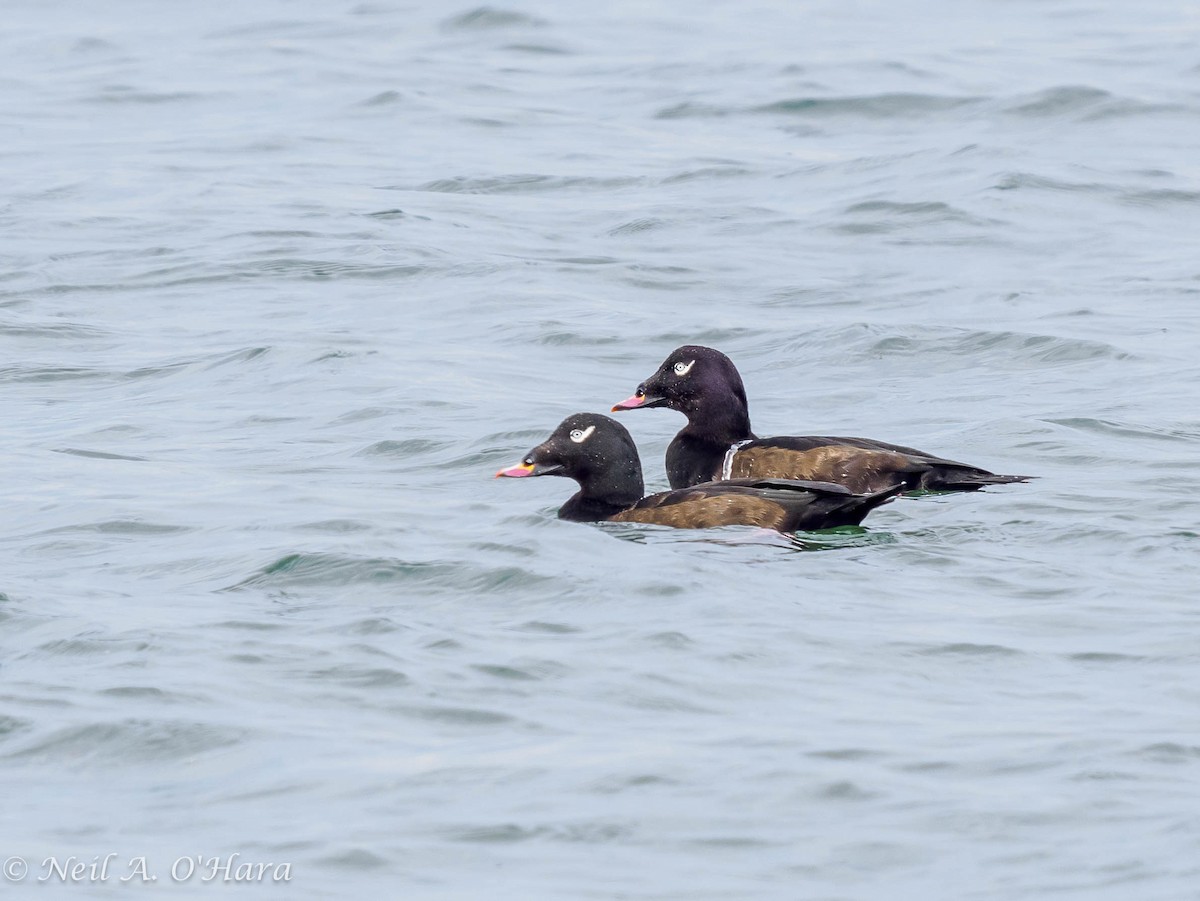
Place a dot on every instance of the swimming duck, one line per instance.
(717, 442)
(599, 454)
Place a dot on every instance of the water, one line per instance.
(283, 284)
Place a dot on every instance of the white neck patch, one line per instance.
(581, 435)
(727, 466)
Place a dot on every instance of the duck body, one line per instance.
(787, 505)
(599, 454)
(717, 443)
(860, 464)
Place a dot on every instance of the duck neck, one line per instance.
(723, 422)
(605, 494)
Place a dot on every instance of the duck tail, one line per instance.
(971, 481)
(855, 509)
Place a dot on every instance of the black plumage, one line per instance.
(600, 455)
(718, 443)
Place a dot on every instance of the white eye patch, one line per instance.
(682, 368)
(581, 435)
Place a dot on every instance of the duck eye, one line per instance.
(682, 368)
(581, 435)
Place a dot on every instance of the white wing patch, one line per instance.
(581, 435)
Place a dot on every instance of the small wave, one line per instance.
(1161, 197)
(690, 110)
(326, 270)
(122, 526)
(524, 184)
(850, 754)
(612, 785)
(141, 692)
(596, 260)
(1001, 349)
(1017, 181)
(705, 173)
(335, 526)
(84, 645)
(1006, 348)
(537, 626)
(320, 569)
(244, 355)
(28, 373)
(22, 373)
(839, 539)
(1106, 657)
(360, 676)
(883, 216)
(970, 649)
(1170, 752)
(384, 98)
(495, 441)
(54, 332)
(844, 790)
(128, 743)
(488, 18)
(460, 716)
(151, 372)
(407, 448)
(274, 29)
(713, 336)
(564, 338)
(875, 106)
(504, 833)
(732, 842)
(93, 45)
(507, 673)
(132, 95)
(918, 208)
(242, 625)
(355, 861)
(1085, 103)
(11, 726)
(395, 213)
(363, 414)
(538, 49)
(272, 268)
(511, 833)
(1115, 429)
(98, 455)
(871, 106)
(675, 641)
(637, 226)
(371, 625)
(1059, 100)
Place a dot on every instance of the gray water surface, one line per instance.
(284, 283)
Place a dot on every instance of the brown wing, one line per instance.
(689, 509)
(786, 505)
(862, 471)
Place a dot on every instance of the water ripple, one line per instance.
(489, 18)
(1085, 102)
(524, 184)
(876, 106)
(324, 569)
(128, 743)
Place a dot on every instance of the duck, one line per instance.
(718, 444)
(600, 455)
